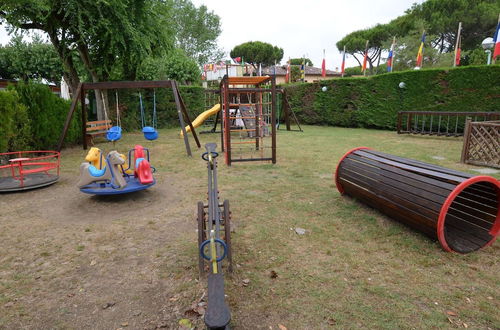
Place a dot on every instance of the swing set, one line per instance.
(114, 133)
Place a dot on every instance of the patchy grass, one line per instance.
(354, 268)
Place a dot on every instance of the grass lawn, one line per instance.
(354, 268)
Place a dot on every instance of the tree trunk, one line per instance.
(70, 74)
(100, 96)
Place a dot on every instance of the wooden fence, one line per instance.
(481, 143)
(442, 123)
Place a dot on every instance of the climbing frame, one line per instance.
(248, 119)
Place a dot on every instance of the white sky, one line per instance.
(299, 27)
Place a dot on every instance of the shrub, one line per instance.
(15, 129)
(47, 113)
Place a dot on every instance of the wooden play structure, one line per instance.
(288, 113)
(460, 210)
(440, 123)
(82, 89)
(248, 119)
(481, 143)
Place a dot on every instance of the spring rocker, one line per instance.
(96, 158)
(214, 237)
(114, 178)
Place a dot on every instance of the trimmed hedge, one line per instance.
(32, 117)
(375, 101)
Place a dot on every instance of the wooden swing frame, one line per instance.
(80, 93)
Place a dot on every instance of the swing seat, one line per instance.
(150, 133)
(114, 133)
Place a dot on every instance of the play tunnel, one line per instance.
(461, 210)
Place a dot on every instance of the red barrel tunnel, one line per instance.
(461, 210)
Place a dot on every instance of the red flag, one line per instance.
(457, 57)
(323, 66)
(496, 40)
(365, 59)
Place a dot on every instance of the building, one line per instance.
(312, 74)
(5, 82)
(215, 72)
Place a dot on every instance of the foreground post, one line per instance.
(214, 245)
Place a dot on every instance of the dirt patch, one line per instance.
(72, 260)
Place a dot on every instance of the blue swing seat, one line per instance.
(114, 133)
(150, 133)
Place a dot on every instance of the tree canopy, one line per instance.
(257, 52)
(196, 31)
(110, 39)
(298, 61)
(439, 18)
(35, 60)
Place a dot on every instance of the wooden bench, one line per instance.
(96, 128)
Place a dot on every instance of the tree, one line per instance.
(107, 35)
(439, 18)
(355, 43)
(196, 31)
(36, 60)
(298, 61)
(257, 52)
(177, 66)
(478, 17)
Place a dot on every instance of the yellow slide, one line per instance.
(202, 117)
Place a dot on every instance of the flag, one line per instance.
(303, 70)
(391, 55)
(496, 40)
(420, 54)
(365, 59)
(457, 52)
(323, 66)
(287, 76)
(342, 67)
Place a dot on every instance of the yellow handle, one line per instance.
(213, 252)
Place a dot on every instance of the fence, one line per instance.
(482, 143)
(439, 123)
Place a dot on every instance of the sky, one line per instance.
(301, 28)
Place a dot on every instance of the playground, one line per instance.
(304, 256)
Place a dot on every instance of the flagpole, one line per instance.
(494, 58)
(457, 44)
(342, 68)
(393, 47)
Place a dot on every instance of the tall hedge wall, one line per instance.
(374, 101)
